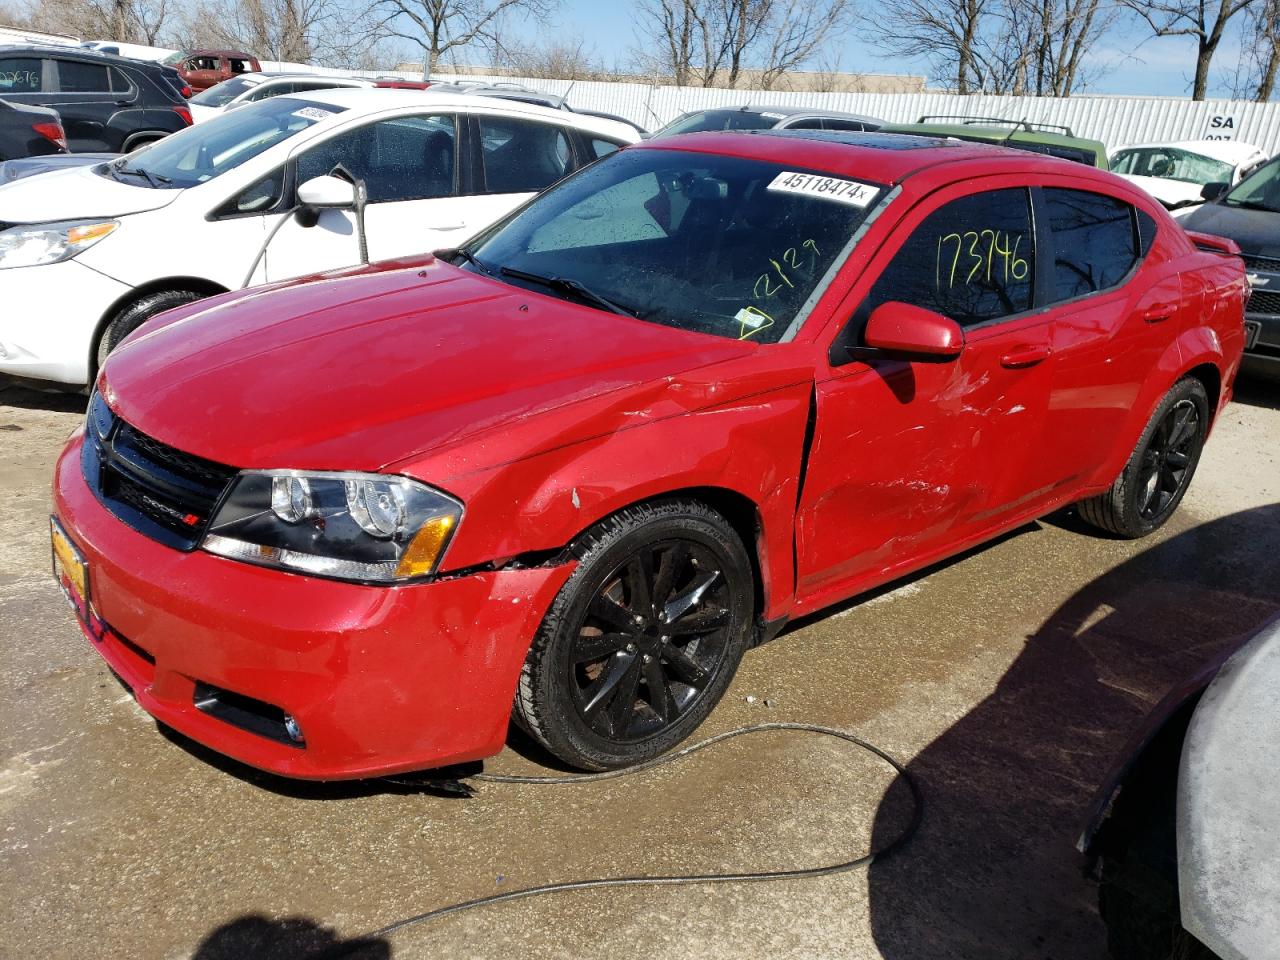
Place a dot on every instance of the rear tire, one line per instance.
(136, 314)
(642, 640)
(1160, 469)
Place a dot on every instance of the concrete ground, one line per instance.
(1008, 679)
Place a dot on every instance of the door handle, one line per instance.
(1027, 355)
(1159, 313)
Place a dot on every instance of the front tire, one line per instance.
(1160, 469)
(136, 314)
(642, 640)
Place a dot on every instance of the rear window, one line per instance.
(20, 75)
(220, 94)
(721, 120)
(1095, 242)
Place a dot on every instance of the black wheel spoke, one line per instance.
(700, 621)
(622, 705)
(1178, 460)
(605, 689)
(655, 678)
(670, 566)
(639, 577)
(1183, 426)
(678, 606)
(589, 649)
(611, 613)
(685, 667)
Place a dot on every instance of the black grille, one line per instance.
(1266, 264)
(158, 490)
(1264, 301)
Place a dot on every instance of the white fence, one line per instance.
(1113, 120)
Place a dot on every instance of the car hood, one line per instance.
(76, 194)
(360, 371)
(1256, 231)
(1168, 192)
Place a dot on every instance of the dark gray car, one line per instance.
(768, 118)
(1249, 214)
(29, 131)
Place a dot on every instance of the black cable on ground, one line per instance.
(759, 875)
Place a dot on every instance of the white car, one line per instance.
(87, 254)
(252, 87)
(1176, 173)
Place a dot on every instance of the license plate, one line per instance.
(70, 570)
(1251, 330)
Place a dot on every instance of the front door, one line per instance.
(410, 168)
(911, 457)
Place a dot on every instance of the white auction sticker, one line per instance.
(313, 113)
(827, 188)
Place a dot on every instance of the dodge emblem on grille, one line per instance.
(1257, 281)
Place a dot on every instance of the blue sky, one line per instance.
(1132, 61)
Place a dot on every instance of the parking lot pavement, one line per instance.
(1008, 679)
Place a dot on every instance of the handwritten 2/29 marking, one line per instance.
(987, 254)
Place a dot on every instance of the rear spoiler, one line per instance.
(1211, 244)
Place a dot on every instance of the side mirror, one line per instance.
(918, 333)
(328, 193)
(1212, 191)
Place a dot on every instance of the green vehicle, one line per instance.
(1045, 138)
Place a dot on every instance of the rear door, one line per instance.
(82, 94)
(410, 168)
(517, 157)
(912, 457)
(1114, 309)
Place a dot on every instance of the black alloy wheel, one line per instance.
(1167, 459)
(1159, 469)
(643, 638)
(655, 636)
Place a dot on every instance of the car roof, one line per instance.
(372, 99)
(1228, 151)
(879, 157)
(995, 134)
(217, 52)
(784, 112)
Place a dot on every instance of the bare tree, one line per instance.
(127, 21)
(1259, 64)
(443, 26)
(945, 32)
(710, 42)
(565, 59)
(332, 32)
(1204, 20)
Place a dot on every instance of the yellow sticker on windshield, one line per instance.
(751, 321)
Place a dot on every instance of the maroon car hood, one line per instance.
(360, 371)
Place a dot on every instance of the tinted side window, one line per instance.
(408, 158)
(972, 260)
(75, 76)
(855, 125)
(1094, 241)
(20, 75)
(240, 66)
(522, 156)
(809, 123)
(120, 82)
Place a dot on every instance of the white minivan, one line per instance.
(87, 254)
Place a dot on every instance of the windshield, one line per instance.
(1260, 190)
(220, 94)
(1171, 163)
(200, 153)
(720, 120)
(721, 245)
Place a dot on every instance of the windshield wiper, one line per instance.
(569, 285)
(154, 179)
(452, 253)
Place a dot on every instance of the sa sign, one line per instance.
(1221, 128)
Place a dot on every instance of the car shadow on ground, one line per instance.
(1258, 389)
(293, 938)
(993, 872)
(18, 393)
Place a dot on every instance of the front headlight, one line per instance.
(367, 527)
(32, 245)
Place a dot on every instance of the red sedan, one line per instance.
(570, 473)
